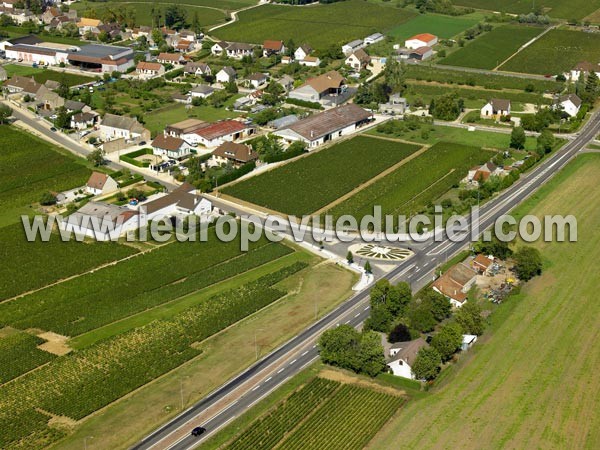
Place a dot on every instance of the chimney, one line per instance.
(312, 133)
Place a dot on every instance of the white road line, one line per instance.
(303, 354)
(357, 315)
(293, 362)
(281, 370)
(347, 321)
(367, 308)
(256, 387)
(268, 379)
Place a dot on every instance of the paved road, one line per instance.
(292, 356)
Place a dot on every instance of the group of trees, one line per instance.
(394, 82)
(346, 347)
(447, 107)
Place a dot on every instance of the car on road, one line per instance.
(198, 431)
(53, 129)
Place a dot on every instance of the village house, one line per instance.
(144, 31)
(83, 120)
(237, 50)
(88, 25)
(396, 105)
(22, 85)
(351, 47)
(170, 147)
(480, 174)
(403, 356)
(117, 127)
(482, 264)
(327, 126)
(149, 69)
(198, 69)
(219, 48)
(496, 108)
(182, 202)
(48, 100)
(233, 153)
(569, 104)
(286, 60)
(101, 221)
(273, 48)
(170, 58)
(455, 283)
(215, 134)
(202, 91)
(256, 79)
(315, 89)
(188, 35)
(184, 46)
(358, 60)
(421, 40)
(226, 75)
(310, 61)
(100, 184)
(584, 68)
(302, 52)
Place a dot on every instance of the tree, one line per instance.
(545, 142)
(339, 347)
(96, 157)
(231, 87)
(371, 355)
(517, 138)
(438, 304)
(448, 340)
(175, 16)
(63, 119)
(427, 364)
(470, 319)
(368, 267)
(5, 113)
(528, 263)
(420, 316)
(495, 247)
(400, 333)
(380, 319)
(446, 107)
(395, 75)
(349, 257)
(48, 198)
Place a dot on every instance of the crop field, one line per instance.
(206, 16)
(323, 414)
(79, 384)
(487, 80)
(50, 261)
(19, 354)
(320, 26)
(541, 56)
(442, 26)
(218, 4)
(43, 75)
(575, 9)
(117, 291)
(312, 182)
(533, 382)
(492, 48)
(415, 184)
(31, 167)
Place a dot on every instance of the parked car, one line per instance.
(198, 431)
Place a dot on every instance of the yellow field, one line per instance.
(532, 381)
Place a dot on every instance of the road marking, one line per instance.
(303, 354)
(256, 387)
(357, 315)
(281, 370)
(347, 321)
(367, 308)
(268, 379)
(293, 362)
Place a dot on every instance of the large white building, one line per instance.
(421, 40)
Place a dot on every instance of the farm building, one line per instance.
(101, 183)
(103, 58)
(455, 284)
(316, 88)
(170, 147)
(482, 264)
(215, 134)
(332, 124)
(421, 40)
(351, 47)
(185, 128)
(101, 221)
(569, 104)
(34, 54)
(403, 356)
(496, 107)
(373, 38)
(233, 153)
(467, 341)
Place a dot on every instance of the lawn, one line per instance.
(492, 48)
(48, 262)
(320, 26)
(532, 380)
(159, 118)
(415, 184)
(541, 57)
(574, 9)
(30, 167)
(142, 11)
(307, 184)
(42, 75)
(444, 27)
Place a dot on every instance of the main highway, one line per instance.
(241, 392)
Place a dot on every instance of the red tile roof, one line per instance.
(220, 129)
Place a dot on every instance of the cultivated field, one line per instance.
(31, 167)
(43, 75)
(444, 27)
(532, 382)
(322, 414)
(556, 8)
(48, 262)
(218, 4)
(320, 26)
(312, 182)
(417, 183)
(491, 49)
(541, 57)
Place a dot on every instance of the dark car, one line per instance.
(198, 431)
(53, 129)
(143, 143)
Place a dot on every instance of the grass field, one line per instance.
(312, 182)
(31, 167)
(158, 119)
(491, 49)
(576, 9)
(541, 56)
(43, 75)
(415, 184)
(531, 381)
(48, 262)
(320, 26)
(444, 27)
(206, 16)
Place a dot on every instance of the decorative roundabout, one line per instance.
(381, 252)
